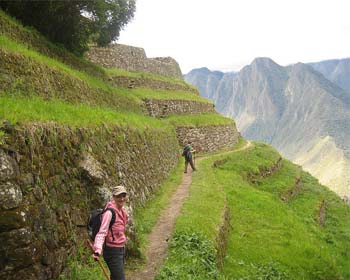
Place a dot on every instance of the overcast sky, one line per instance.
(228, 34)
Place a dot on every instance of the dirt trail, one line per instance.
(161, 233)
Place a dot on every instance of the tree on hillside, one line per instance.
(74, 23)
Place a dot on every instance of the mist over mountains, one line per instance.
(303, 110)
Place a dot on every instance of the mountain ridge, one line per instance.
(292, 108)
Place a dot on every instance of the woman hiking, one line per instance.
(114, 247)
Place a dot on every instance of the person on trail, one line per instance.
(112, 242)
(187, 153)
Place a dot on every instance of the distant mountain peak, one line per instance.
(203, 70)
(264, 62)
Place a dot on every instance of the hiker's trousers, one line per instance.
(189, 161)
(114, 257)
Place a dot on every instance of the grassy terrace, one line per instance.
(32, 39)
(19, 109)
(130, 96)
(10, 45)
(121, 72)
(269, 238)
(146, 93)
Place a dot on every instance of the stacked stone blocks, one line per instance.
(134, 59)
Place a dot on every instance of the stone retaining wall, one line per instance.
(163, 108)
(135, 82)
(134, 59)
(51, 176)
(208, 138)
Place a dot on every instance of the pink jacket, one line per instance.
(118, 228)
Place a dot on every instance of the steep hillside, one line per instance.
(261, 218)
(69, 130)
(297, 110)
(212, 85)
(335, 70)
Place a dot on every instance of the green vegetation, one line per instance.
(81, 266)
(146, 216)
(13, 46)
(20, 109)
(146, 93)
(149, 76)
(74, 23)
(31, 38)
(269, 238)
(199, 120)
(275, 233)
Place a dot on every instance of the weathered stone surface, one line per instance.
(136, 82)
(93, 169)
(38, 194)
(7, 170)
(134, 59)
(164, 108)
(18, 237)
(104, 193)
(10, 195)
(208, 138)
(58, 194)
(12, 219)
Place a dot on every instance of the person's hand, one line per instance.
(96, 256)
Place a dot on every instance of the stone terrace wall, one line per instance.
(133, 59)
(208, 138)
(133, 82)
(51, 177)
(163, 108)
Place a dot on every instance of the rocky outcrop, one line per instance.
(53, 175)
(134, 59)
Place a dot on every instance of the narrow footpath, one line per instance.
(162, 231)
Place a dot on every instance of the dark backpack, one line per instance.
(186, 151)
(95, 220)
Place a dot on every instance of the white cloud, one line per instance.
(228, 34)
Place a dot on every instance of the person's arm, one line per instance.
(101, 235)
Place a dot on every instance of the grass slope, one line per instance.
(269, 238)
